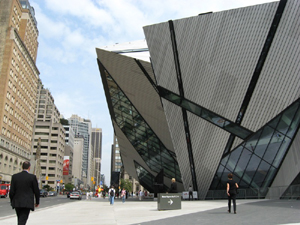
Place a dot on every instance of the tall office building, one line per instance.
(18, 84)
(69, 155)
(97, 149)
(83, 127)
(77, 161)
(50, 131)
(220, 96)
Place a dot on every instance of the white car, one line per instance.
(75, 195)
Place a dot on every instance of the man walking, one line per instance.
(111, 193)
(23, 188)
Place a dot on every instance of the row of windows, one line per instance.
(141, 136)
(13, 147)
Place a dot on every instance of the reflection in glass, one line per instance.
(262, 154)
(140, 135)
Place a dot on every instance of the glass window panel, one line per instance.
(224, 160)
(251, 143)
(273, 147)
(269, 178)
(260, 174)
(286, 119)
(217, 177)
(219, 121)
(281, 152)
(274, 122)
(241, 165)
(264, 141)
(224, 179)
(243, 184)
(233, 159)
(294, 125)
(191, 107)
(251, 168)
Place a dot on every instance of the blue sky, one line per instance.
(69, 32)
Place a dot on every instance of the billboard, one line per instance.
(66, 165)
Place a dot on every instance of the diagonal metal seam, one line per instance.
(163, 92)
(184, 113)
(259, 66)
(103, 73)
(146, 74)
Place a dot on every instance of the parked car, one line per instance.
(4, 190)
(52, 193)
(43, 193)
(75, 195)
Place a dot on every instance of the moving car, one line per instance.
(43, 193)
(52, 193)
(75, 195)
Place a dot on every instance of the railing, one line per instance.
(285, 192)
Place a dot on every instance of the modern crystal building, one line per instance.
(221, 95)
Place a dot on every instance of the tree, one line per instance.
(64, 121)
(69, 187)
(47, 187)
(127, 184)
(105, 188)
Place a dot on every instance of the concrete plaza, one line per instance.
(133, 211)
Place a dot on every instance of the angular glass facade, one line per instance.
(205, 114)
(140, 134)
(255, 162)
(147, 180)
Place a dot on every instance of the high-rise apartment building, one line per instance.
(51, 132)
(97, 149)
(18, 84)
(83, 127)
(69, 155)
(77, 160)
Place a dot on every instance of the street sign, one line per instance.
(169, 201)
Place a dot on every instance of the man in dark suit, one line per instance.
(23, 188)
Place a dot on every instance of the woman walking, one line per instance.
(232, 187)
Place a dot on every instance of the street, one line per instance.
(6, 210)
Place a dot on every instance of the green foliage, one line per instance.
(47, 187)
(64, 121)
(105, 188)
(69, 187)
(127, 184)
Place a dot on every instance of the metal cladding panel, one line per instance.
(208, 144)
(130, 78)
(279, 82)
(176, 126)
(148, 68)
(162, 57)
(128, 153)
(218, 53)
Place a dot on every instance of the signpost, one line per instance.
(168, 201)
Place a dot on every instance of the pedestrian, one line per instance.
(111, 193)
(173, 188)
(23, 188)
(87, 195)
(123, 195)
(191, 193)
(232, 187)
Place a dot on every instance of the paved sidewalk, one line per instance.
(98, 211)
